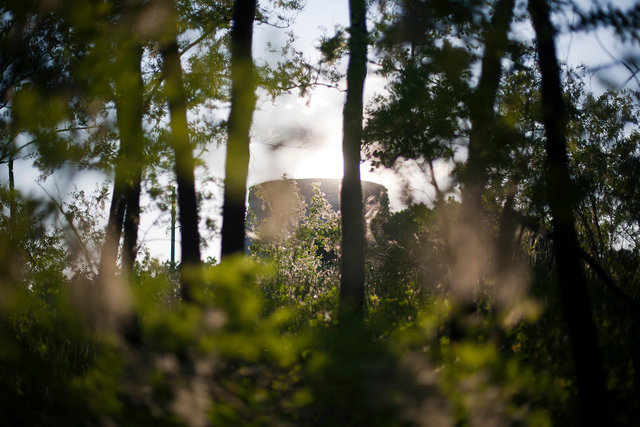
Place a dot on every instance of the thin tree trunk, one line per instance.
(130, 111)
(242, 106)
(125, 202)
(172, 262)
(596, 221)
(469, 240)
(589, 234)
(481, 140)
(352, 265)
(587, 356)
(109, 253)
(131, 91)
(184, 162)
(131, 223)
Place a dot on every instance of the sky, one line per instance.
(310, 128)
(313, 125)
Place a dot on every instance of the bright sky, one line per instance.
(310, 129)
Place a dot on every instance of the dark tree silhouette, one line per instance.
(481, 107)
(587, 356)
(130, 104)
(352, 266)
(470, 240)
(125, 203)
(242, 105)
(114, 222)
(184, 162)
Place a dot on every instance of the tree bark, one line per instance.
(183, 151)
(481, 106)
(130, 122)
(583, 335)
(242, 105)
(131, 223)
(352, 263)
(125, 202)
(113, 232)
(469, 239)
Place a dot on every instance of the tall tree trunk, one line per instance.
(125, 202)
(352, 265)
(130, 118)
(469, 239)
(184, 162)
(131, 224)
(481, 140)
(109, 253)
(587, 356)
(242, 105)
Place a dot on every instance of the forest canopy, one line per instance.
(510, 297)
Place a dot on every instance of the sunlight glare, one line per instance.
(325, 162)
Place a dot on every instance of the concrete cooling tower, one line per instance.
(276, 201)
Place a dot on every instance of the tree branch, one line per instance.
(534, 225)
(12, 153)
(608, 281)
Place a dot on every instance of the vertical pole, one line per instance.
(12, 187)
(173, 229)
(12, 199)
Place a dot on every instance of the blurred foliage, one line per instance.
(260, 343)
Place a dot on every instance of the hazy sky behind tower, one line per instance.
(308, 130)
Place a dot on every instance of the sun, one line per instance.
(325, 162)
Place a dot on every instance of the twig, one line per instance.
(15, 151)
(620, 61)
(203, 36)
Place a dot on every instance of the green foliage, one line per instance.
(303, 254)
(259, 343)
(241, 353)
(398, 281)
